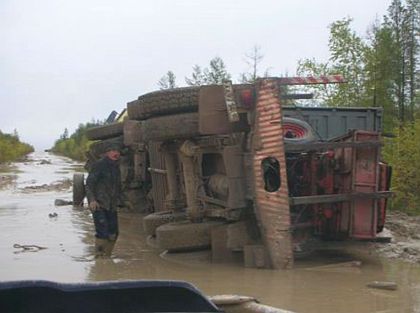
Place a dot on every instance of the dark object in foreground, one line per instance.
(385, 285)
(61, 202)
(122, 296)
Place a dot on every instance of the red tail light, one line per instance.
(247, 98)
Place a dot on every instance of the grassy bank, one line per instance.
(11, 148)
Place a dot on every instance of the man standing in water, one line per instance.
(103, 191)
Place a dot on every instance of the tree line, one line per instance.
(216, 72)
(11, 148)
(381, 68)
(75, 145)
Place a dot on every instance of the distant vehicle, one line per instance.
(233, 168)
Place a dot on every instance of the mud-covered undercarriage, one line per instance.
(233, 169)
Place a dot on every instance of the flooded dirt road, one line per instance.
(27, 218)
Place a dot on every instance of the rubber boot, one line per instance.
(109, 247)
(100, 246)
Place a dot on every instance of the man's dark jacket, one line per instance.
(104, 184)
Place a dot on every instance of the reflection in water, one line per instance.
(7, 177)
(68, 237)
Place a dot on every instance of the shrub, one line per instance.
(11, 148)
(403, 154)
(76, 145)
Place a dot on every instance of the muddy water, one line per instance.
(26, 203)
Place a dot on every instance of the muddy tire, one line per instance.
(105, 132)
(98, 148)
(171, 127)
(154, 220)
(133, 133)
(185, 236)
(164, 102)
(79, 191)
(297, 131)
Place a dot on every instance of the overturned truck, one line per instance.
(231, 167)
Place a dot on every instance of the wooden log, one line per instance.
(384, 285)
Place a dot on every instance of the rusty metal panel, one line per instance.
(230, 102)
(384, 185)
(233, 159)
(159, 185)
(213, 118)
(256, 256)
(272, 208)
(365, 179)
(329, 123)
(311, 80)
(213, 112)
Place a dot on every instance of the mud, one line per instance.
(6, 180)
(405, 233)
(333, 280)
(61, 185)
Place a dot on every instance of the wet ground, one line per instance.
(27, 194)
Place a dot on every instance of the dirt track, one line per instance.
(405, 244)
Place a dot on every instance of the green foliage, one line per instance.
(403, 154)
(347, 58)
(197, 77)
(381, 72)
(77, 144)
(403, 21)
(216, 74)
(11, 148)
(347, 55)
(167, 81)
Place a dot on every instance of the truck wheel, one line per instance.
(297, 131)
(169, 101)
(184, 236)
(154, 220)
(171, 127)
(79, 192)
(164, 102)
(99, 147)
(105, 131)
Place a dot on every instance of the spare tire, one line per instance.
(185, 235)
(79, 191)
(105, 131)
(171, 127)
(297, 131)
(96, 149)
(154, 220)
(169, 101)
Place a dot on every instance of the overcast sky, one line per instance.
(63, 62)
